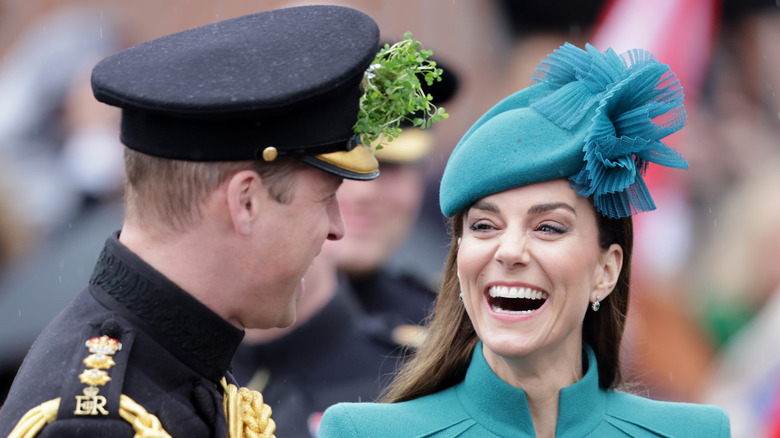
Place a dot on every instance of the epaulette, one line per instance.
(94, 396)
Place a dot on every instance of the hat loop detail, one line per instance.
(637, 100)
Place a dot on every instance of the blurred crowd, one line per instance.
(705, 312)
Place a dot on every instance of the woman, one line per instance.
(525, 336)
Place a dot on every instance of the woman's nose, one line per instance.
(512, 250)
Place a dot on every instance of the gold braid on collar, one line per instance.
(247, 416)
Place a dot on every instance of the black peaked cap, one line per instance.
(287, 78)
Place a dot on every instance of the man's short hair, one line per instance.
(167, 195)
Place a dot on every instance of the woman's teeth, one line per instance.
(516, 292)
(515, 300)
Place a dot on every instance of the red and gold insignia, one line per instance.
(102, 348)
(104, 345)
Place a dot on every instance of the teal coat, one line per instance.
(482, 405)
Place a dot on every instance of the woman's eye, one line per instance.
(480, 226)
(552, 229)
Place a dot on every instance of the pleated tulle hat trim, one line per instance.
(638, 101)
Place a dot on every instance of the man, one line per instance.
(347, 342)
(380, 215)
(236, 136)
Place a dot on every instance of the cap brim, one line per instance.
(358, 163)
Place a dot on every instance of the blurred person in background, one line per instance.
(738, 115)
(733, 130)
(380, 216)
(61, 169)
(736, 280)
(14, 234)
(51, 126)
(739, 285)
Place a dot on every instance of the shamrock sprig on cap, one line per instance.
(393, 92)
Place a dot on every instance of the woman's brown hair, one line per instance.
(442, 359)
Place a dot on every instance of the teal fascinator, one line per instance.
(595, 118)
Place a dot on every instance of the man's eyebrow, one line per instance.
(541, 208)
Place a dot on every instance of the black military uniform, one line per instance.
(174, 350)
(340, 354)
(399, 298)
(133, 345)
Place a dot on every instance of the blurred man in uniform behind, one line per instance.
(380, 216)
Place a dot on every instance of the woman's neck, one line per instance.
(541, 376)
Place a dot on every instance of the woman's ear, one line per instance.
(244, 190)
(611, 265)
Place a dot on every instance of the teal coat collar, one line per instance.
(483, 405)
(499, 407)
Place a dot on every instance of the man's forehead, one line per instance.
(316, 181)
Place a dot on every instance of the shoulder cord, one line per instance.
(247, 415)
(146, 425)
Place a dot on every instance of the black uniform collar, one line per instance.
(172, 317)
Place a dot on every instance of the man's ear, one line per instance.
(611, 265)
(245, 193)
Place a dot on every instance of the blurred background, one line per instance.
(704, 322)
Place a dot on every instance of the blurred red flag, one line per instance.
(678, 32)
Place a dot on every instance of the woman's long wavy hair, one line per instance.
(441, 361)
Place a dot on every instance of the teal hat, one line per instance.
(595, 118)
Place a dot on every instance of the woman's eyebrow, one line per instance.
(486, 206)
(541, 208)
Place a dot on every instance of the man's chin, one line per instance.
(287, 321)
(291, 313)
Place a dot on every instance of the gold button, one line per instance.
(270, 153)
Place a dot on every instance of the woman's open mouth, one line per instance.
(515, 300)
